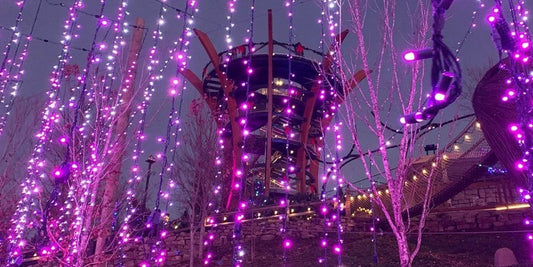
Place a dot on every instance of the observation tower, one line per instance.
(272, 104)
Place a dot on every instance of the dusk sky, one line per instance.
(113, 153)
(476, 53)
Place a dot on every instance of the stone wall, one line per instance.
(474, 209)
(480, 207)
(177, 243)
(476, 220)
(486, 193)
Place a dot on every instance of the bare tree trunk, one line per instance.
(403, 249)
(191, 234)
(196, 176)
(111, 181)
(88, 222)
(202, 234)
(389, 74)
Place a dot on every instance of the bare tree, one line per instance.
(82, 155)
(72, 213)
(195, 171)
(393, 89)
(16, 143)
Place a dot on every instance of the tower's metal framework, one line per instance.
(313, 92)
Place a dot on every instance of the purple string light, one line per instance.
(285, 203)
(126, 233)
(515, 41)
(31, 185)
(14, 61)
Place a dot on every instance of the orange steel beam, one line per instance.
(233, 113)
(328, 59)
(356, 78)
(193, 79)
(198, 84)
(301, 161)
(314, 163)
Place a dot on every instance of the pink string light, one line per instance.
(217, 189)
(31, 185)
(285, 203)
(14, 40)
(11, 68)
(240, 176)
(330, 21)
(517, 46)
(182, 59)
(157, 254)
(126, 231)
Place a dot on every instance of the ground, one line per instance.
(457, 249)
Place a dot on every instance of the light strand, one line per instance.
(126, 231)
(30, 186)
(15, 62)
(285, 203)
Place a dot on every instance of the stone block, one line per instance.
(485, 225)
(267, 237)
(450, 228)
(498, 224)
(465, 226)
(483, 215)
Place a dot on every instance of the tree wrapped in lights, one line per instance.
(503, 97)
(394, 88)
(15, 146)
(78, 147)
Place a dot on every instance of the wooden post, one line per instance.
(268, 156)
(111, 181)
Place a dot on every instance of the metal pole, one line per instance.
(150, 161)
(268, 157)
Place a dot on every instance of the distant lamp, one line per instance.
(150, 160)
(430, 147)
(413, 55)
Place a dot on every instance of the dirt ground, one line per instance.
(457, 249)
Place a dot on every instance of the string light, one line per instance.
(85, 179)
(446, 74)
(219, 178)
(232, 7)
(14, 72)
(335, 20)
(156, 254)
(471, 27)
(182, 58)
(240, 177)
(288, 110)
(514, 39)
(287, 244)
(31, 185)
